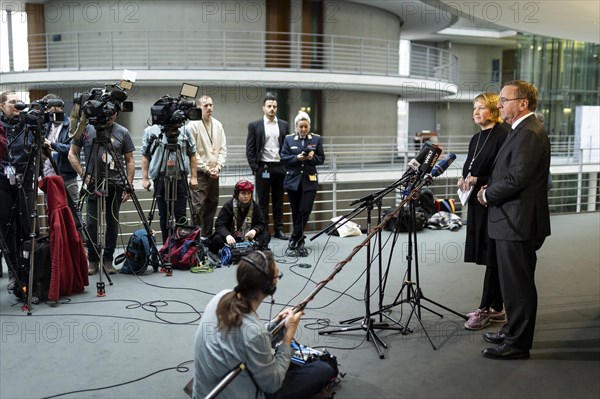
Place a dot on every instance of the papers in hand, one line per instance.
(464, 195)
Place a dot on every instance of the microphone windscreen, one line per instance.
(55, 102)
(443, 165)
(118, 95)
(19, 105)
(433, 153)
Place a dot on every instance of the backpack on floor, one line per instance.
(139, 253)
(41, 271)
(185, 248)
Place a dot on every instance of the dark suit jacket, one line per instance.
(255, 142)
(517, 194)
(304, 172)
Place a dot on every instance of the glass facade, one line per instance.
(566, 73)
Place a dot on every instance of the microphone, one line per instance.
(414, 165)
(118, 95)
(19, 105)
(443, 165)
(431, 157)
(55, 102)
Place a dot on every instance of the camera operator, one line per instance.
(240, 219)
(58, 140)
(123, 146)
(153, 154)
(212, 153)
(16, 200)
(3, 147)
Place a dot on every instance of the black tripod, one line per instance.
(411, 288)
(171, 170)
(28, 186)
(368, 323)
(96, 182)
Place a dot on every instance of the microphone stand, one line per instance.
(414, 294)
(368, 324)
(277, 329)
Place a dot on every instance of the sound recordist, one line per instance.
(240, 219)
(230, 333)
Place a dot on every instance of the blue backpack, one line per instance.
(139, 253)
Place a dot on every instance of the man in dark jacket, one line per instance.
(263, 144)
(518, 216)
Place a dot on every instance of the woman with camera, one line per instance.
(301, 153)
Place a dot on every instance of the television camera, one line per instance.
(39, 110)
(99, 105)
(172, 112)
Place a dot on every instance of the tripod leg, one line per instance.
(444, 307)
(376, 341)
(124, 181)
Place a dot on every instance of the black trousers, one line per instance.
(516, 266)
(179, 213)
(492, 294)
(301, 203)
(15, 212)
(273, 186)
(304, 381)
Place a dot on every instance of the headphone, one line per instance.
(268, 287)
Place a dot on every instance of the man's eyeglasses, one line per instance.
(502, 100)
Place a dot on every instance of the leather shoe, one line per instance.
(281, 235)
(494, 338)
(506, 352)
(292, 245)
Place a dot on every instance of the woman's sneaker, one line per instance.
(497, 317)
(478, 320)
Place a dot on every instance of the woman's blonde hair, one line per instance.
(490, 101)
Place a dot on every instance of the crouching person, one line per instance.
(240, 219)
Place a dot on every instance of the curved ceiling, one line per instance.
(573, 19)
(567, 19)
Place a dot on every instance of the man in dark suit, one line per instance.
(264, 141)
(518, 216)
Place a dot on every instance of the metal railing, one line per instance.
(235, 50)
(576, 181)
(360, 152)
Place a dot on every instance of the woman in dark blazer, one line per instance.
(479, 248)
(301, 153)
